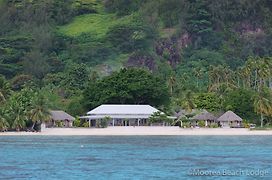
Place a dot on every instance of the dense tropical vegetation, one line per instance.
(56, 54)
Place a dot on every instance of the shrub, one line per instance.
(77, 123)
(158, 117)
(246, 125)
(104, 122)
(186, 124)
(201, 123)
(86, 124)
(213, 125)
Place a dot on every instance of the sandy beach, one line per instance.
(128, 131)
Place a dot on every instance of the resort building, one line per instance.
(205, 116)
(121, 115)
(182, 113)
(60, 119)
(230, 119)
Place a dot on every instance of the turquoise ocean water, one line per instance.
(136, 157)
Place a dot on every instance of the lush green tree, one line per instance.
(159, 117)
(75, 106)
(187, 101)
(122, 7)
(4, 125)
(35, 64)
(39, 111)
(17, 108)
(208, 101)
(5, 89)
(128, 86)
(263, 103)
(241, 102)
(200, 23)
(77, 76)
(20, 118)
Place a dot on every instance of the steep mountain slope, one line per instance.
(163, 36)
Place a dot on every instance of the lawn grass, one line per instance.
(96, 25)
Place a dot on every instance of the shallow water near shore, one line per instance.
(135, 157)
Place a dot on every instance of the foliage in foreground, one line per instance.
(23, 110)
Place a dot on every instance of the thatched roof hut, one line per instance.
(205, 115)
(61, 116)
(229, 116)
(183, 113)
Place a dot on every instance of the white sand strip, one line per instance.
(147, 130)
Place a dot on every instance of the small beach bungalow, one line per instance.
(121, 115)
(60, 119)
(205, 116)
(230, 119)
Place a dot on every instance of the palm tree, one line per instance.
(264, 73)
(198, 73)
(19, 120)
(215, 77)
(3, 122)
(239, 76)
(171, 83)
(5, 89)
(187, 101)
(228, 76)
(39, 111)
(247, 72)
(268, 63)
(263, 103)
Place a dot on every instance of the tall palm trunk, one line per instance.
(256, 79)
(33, 125)
(262, 118)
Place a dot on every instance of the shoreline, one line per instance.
(140, 131)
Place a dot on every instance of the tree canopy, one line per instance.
(128, 86)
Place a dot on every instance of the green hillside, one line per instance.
(201, 50)
(96, 25)
(147, 33)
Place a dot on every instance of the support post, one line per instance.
(89, 123)
(112, 122)
(138, 122)
(206, 123)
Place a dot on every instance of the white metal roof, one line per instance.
(116, 109)
(136, 116)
